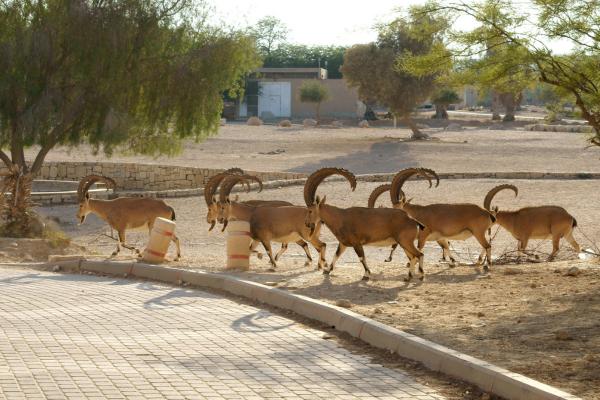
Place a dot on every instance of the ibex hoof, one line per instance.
(272, 269)
(365, 278)
(387, 260)
(326, 272)
(114, 253)
(422, 278)
(408, 278)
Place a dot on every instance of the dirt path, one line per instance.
(372, 150)
(511, 319)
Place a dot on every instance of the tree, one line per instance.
(314, 92)
(442, 99)
(270, 32)
(298, 55)
(376, 68)
(575, 23)
(138, 74)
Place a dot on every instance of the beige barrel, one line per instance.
(238, 245)
(160, 238)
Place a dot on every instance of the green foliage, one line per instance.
(314, 92)
(445, 97)
(378, 69)
(135, 74)
(270, 32)
(510, 47)
(296, 55)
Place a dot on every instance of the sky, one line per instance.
(328, 22)
(314, 22)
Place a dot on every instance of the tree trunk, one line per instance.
(510, 101)
(416, 133)
(440, 112)
(496, 104)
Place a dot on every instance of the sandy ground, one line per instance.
(373, 150)
(531, 319)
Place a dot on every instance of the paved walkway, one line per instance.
(81, 336)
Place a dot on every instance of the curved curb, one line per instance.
(486, 376)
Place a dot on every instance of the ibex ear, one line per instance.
(317, 199)
(409, 200)
(87, 196)
(495, 209)
(323, 199)
(227, 201)
(236, 198)
(214, 199)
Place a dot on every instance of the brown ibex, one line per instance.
(542, 222)
(360, 226)
(444, 244)
(444, 221)
(123, 213)
(270, 223)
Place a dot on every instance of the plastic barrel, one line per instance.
(160, 238)
(238, 245)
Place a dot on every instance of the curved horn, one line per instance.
(315, 179)
(235, 170)
(426, 172)
(87, 181)
(398, 182)
(487, 202)
(210, 188)
(378, 191)
(232, 180)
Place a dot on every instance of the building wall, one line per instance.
(342, 101)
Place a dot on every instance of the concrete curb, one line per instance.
(488, 377)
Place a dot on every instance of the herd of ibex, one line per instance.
(404, 224)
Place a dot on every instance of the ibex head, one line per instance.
(210, 190)
(84, 197)
(314, 202)
(224, 204)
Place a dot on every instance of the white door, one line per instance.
(275, 99)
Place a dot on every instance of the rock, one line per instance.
(344, 303)
(573, 271)
(223, 121)
(285, 123)
(14, 244)
(56, 268)
(363, 124)
(480, 314)
(377, 310)
(562, 335)
(271, 283)
(512, 271)
(533, 285)
(337, 124)
(453, 127)
(254, 121)
(309, 123)
(328, 336)
(557, 271)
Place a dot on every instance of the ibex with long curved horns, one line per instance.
(444, 222)
(123, 213)
(279, 223)
(444, 244)
(542, 222)
(360, 226)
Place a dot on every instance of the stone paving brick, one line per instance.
(81, 336)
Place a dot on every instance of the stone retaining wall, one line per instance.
(150, 177)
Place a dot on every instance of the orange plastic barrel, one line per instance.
(160, 238)
(238, 245)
